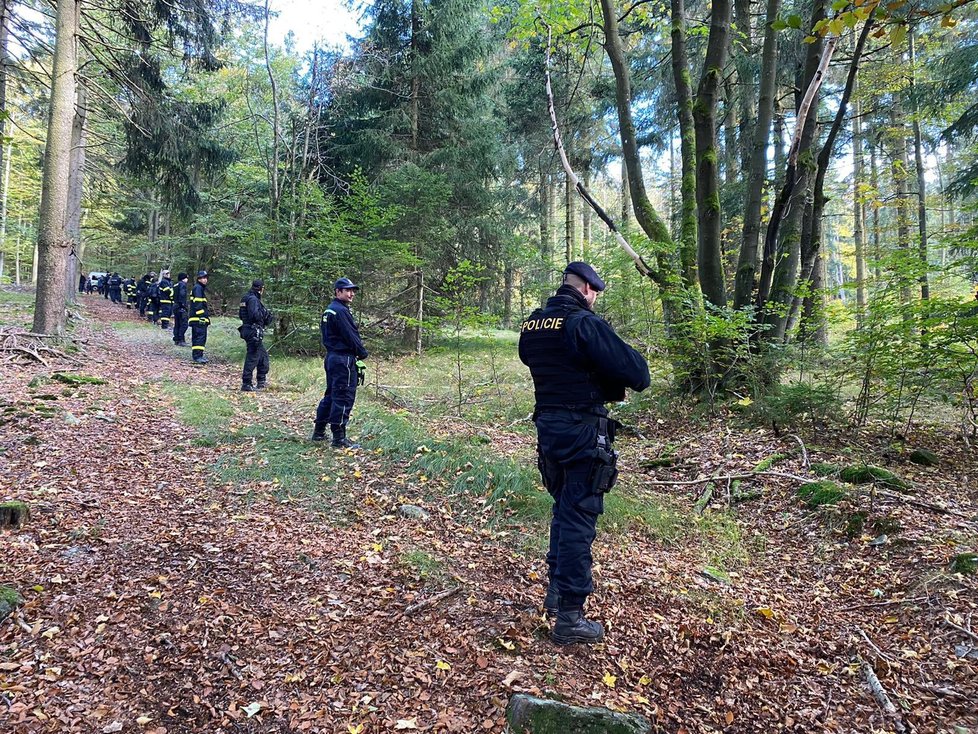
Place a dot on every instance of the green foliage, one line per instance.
(798, 403)
(965, 563)
(817, 494)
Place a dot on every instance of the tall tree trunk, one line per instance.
(546, 219)
(812, 234)
(5, 150)
(748, 83)
(648, 219)
(921, 178)
(900, 172)
(570, 219)
(687, 147)
(709, 257)
(586, 220)
(757, 167)
(675, 307)
(858, 212)
(508, 279)
(3, 206)
(782, 246)
(626, 197)
(874, 184)
(53, 242)
(814, 328)
(76, 185)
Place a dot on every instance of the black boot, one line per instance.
(261, 385)
(247, 387)
(340, 441)
(572, 627)
(551, 602)
(318, 432)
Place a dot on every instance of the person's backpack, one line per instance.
(154, 290)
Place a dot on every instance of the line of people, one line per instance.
(160, 300)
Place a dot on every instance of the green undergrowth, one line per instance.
(290, 466)
(203, 408)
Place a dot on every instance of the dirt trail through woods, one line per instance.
(160, 599)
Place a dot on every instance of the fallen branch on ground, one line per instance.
(879, 693)
(432, 600)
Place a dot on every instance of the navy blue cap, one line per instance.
(585, 272)
(201, 274)
(345, 284)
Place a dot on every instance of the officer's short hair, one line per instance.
(575, 280)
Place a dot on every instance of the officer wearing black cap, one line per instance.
(254, 318)
(344, 365)
(578, 364)
(200, 318)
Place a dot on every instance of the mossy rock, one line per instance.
(923, 457)
(824, 492)
(9, 600)
(70, 378)
(531, 715)
(866, 473)
(965, 563)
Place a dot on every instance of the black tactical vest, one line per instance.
(243, 308)
(559, 378)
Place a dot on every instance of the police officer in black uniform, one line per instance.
(578, 364)
(142, 293)
(166, 299)
(114, 284)
(200, 318)
(129, 291)
(180, 296)
(254, 318)
(344, 366)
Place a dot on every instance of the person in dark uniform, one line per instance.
(200, 318)
(166, 299)
(344, 366)
(153, 299)
(114, 284)
(180, 296)
(578, 364)
(102, 288)
(82, 280)
(254, 318)
(129, 291)
(142, 294)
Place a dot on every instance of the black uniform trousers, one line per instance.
(566, 446)
(255, 360)
(341, 390)
(166, 310)
(179, 325)
(198, 339)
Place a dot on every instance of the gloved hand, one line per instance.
(361, 372)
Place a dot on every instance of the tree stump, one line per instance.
(14, 514)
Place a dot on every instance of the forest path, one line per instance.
(160, 595)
